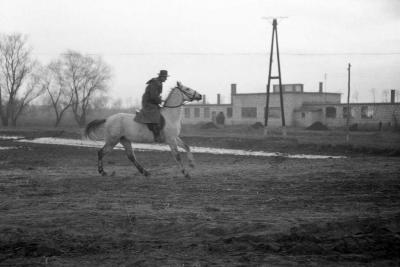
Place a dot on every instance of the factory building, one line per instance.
(301, 109)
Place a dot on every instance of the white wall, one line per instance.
(291, 100)
(382, 112)
(201, 119)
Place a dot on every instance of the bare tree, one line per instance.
(99, 102)
(116, 103)
(15, 67)
(86, 76)
(33, 89)
(60, 95)
(127, 102)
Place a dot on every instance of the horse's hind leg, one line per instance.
(177, 157)
(108, 147)
(131, 156)
(189, 154)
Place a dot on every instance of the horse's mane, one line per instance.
(169, 94)
(170, 91)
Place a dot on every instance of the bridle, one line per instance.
(183, 102)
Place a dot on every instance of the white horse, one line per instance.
(121, 128)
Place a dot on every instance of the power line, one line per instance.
(234, 53)
(345, 54)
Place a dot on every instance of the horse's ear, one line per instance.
(179, 84)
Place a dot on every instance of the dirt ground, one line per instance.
(55, 210)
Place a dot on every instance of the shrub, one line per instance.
(317, 126)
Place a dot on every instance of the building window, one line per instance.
(187, 112)
(330, 112)
(206, 112)
(196, 112)
(229, 112)
(249, 112)
(367, 112)
(345, 113)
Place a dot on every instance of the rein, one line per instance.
(191, 98)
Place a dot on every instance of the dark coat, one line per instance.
(151, 99)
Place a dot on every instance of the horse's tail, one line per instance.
(91, 130)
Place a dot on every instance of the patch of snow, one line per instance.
(162, 147)
(7, 147)
(9, 137)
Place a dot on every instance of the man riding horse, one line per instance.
(151, 100)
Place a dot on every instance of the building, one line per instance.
(366, 115)
(301, 109)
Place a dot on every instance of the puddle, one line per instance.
(161, 147)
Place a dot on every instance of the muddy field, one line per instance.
(55, 210)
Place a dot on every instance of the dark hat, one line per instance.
(163, 73)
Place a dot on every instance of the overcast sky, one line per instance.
(209, 44)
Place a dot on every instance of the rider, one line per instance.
(151, 100)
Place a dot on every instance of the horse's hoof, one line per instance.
(146, 173)
(187, 176)
(112, 174)
(192, 165)
(103, 173)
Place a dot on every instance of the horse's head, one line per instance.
(179, 95)
(188, 93)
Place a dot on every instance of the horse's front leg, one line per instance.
(177, 157)
(188, 152)
(131, 156)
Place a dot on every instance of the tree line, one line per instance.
(71, 81)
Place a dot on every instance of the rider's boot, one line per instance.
(158, 138)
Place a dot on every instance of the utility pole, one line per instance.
(348, 105)
(274, 35)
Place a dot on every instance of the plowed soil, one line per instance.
(56, 210)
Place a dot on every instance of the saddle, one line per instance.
(153, 127)
(161, 124)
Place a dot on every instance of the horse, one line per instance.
(121, 128)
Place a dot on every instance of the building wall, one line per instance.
(362, 113)
(214, 109)
(249, 108)
(297, 87)
(306, 118)
(301, 110)
(291, 102)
